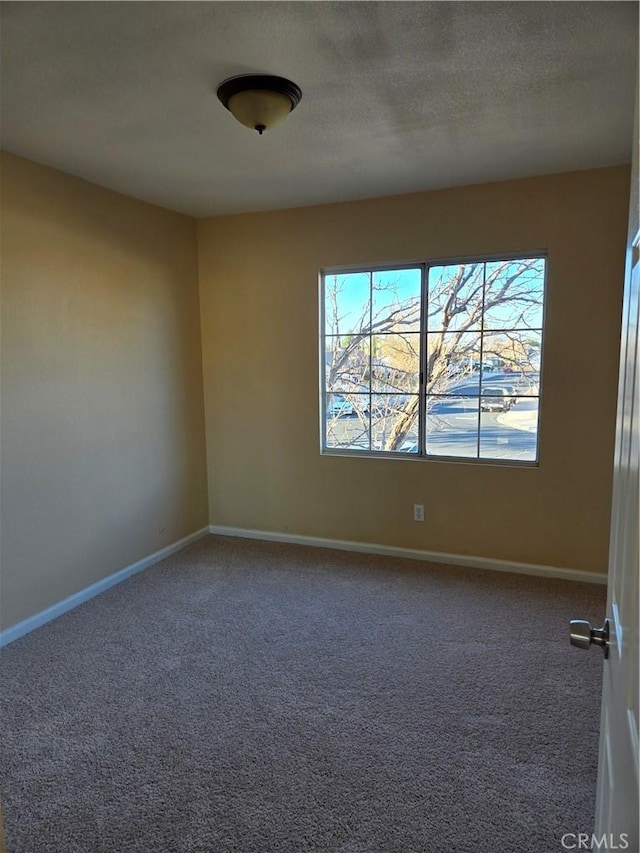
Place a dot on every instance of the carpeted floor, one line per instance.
(262, 698)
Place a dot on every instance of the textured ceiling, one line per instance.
(397, 96)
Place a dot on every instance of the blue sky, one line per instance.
(400, 285)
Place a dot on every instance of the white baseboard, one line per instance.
(44, 616)
(413, 554)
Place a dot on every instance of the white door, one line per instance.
(618, 789)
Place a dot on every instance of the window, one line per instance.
(434, 359)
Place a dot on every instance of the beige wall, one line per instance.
(103, 452)
(259, 299)
(103, 457)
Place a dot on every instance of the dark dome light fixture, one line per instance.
(259, 101)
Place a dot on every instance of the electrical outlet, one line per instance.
(418, 512)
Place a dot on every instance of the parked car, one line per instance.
(511, 391)
(339, 407)
(495, 399)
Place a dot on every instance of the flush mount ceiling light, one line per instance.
(259, 101)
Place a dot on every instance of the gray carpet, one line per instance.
(263, 698)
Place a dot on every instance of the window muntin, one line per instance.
(436, 359)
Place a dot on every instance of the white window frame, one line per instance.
(424, 266)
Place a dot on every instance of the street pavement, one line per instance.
(452, 423)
